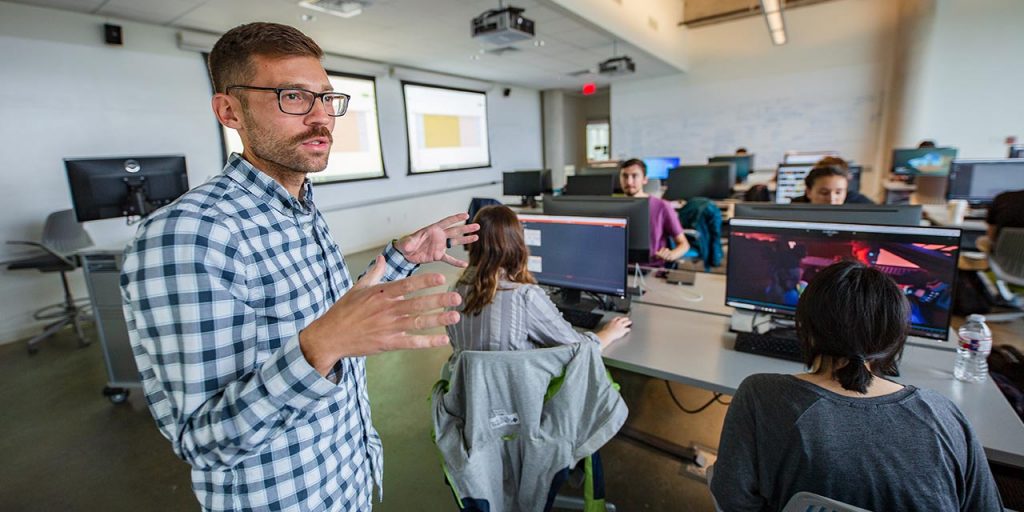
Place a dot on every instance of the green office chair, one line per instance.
(62, 237)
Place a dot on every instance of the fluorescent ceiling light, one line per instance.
(772, 10)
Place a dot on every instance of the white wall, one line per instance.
(821, 91)
(66, 94)
(967, 91)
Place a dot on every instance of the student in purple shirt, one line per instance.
(664, 220)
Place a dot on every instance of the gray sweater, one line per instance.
(909, 450)
(506, 427)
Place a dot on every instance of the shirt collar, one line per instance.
(266, 188)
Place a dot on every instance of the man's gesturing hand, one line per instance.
(374, 317)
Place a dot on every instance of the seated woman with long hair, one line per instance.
(842, 430)
(502, 306)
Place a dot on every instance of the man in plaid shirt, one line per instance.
(247, 329)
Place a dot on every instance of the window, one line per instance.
(356, 152)
(598, 141)
(447, 128)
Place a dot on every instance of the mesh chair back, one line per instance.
(1007, 260)
(63, 234)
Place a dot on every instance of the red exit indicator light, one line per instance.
(589, 89)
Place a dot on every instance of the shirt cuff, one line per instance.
(291, 380)
(398, 266)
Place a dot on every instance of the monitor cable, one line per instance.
(715, 398)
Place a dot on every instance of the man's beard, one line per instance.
(286, 153)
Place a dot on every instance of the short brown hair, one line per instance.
(231, 58)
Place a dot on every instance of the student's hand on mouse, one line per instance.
(664, 254)
(432, 242)
(615, 328)
(374, 317)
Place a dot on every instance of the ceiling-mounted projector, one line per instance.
(502, 26)
(617, 66)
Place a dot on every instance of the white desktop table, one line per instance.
(709, 287)
(697, 349)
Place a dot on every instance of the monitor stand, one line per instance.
(573, 299)
(528, 201)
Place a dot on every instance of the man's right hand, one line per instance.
(374, 317)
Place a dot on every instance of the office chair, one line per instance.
(62, 237)
(1007, 264)
(1007, 260)
(810, 502)
(508, 426)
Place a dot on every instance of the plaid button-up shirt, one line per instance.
(216, 288)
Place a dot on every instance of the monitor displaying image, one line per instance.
(922, 161)
(771, 263)
(658, 166)
(447, 128)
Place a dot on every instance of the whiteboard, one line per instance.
(830, 109)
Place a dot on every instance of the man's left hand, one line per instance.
(432, 242)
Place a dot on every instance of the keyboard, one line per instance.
(781, 347)
(767, 345)
(581, 319)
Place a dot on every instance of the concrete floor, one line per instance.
(66, 447)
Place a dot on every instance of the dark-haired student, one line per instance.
(502, 306)
(664, 221)
(828, 183)
(842, 430)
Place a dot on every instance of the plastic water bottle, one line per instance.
(972, 351)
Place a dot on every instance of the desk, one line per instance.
(938, 214)
(697, 349)
(710, 286)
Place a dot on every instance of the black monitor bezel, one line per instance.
(625, 273)
(539, 183)
(976, 200)
(635, 227)
(677, 176)
(892, 162)
(782, 310)
(78, 172)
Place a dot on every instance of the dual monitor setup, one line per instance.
(106, 188)
(775, 251)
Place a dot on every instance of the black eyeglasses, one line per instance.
(299, 102)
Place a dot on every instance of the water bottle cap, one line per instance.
(976, 318)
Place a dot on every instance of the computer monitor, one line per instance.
(603, 171)
(577, 253)
(772, 261)
(636, 210)
(886, 214)
(789, 182)
(744, 163)
(525, 184)
(806, 157)
(855, 172)
(596, 185)
(658, 166)
(106, 188)
(980, 181)
(713, 181)
(922, 161)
